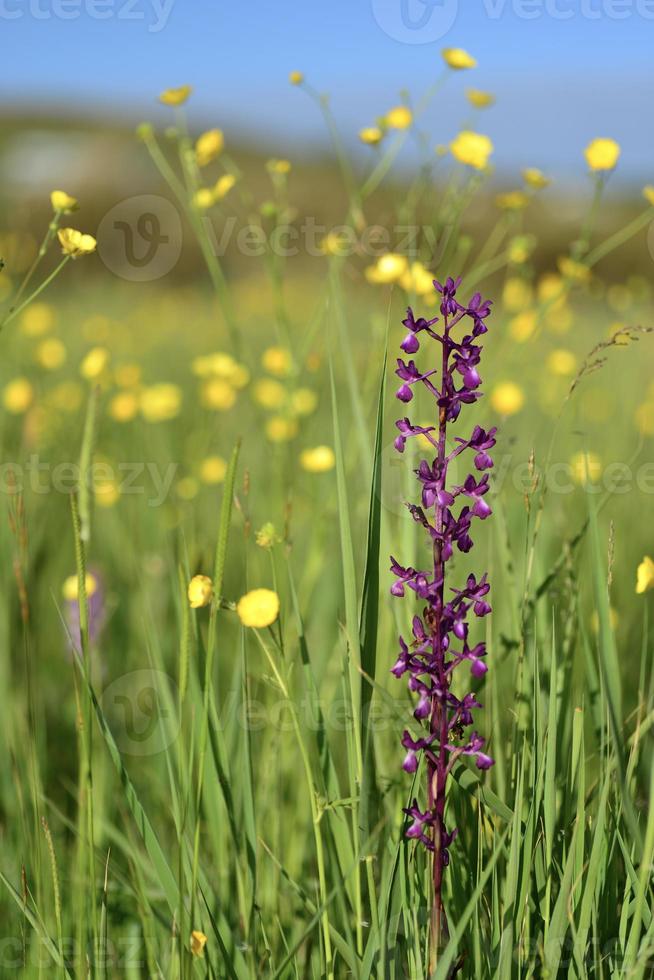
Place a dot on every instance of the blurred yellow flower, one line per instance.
(277, 361)
(562, 362)
(602, 154)
(258, 608)
(213, 469)
(400, 117)
(51, 353)
(614, 619)
(67, 396)
(296, 77)
(517, 294)
(520, 248)
(318, 460)
(280, 429)
(304, 401)
(75, 243)
(372, 135)
(94, 363)
(160, 402)
(335, 244)
(37, 319)
(388, 268)
(523, 325)
(648, 194)
(61, 201)
(198, 942)
(533, 177)
(279, 166)
(200, 593)
(645, 418)
(418, 279)
(124, 406)
(507, 398)
(203, 199)
(645, 575)
(458, 58)
(176, 96)
(512, 201)
(187, 488)
(571, 269)
(127, 375)
(586, 467)
(208, 146)
(479, 99)
(223, 186)
(69, 589)
(472, 149)
(269, 393)
(106, 491)
(218, 394)
(17, 396)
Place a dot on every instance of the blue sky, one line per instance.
(563, 71)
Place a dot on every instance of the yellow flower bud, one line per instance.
(200, 591)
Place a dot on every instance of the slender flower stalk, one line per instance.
(440, 640)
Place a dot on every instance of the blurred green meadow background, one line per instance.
(210, 391)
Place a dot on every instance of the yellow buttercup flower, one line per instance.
(371, 135)
(258, 608)
(200, 591)
(318, 460)
(70, 590)
(562, 362)
(280, 166)
(648, 194)
(223, 186)
(160, 402)
(218, 395)
(296, 77)
(517, 294)
(278, 361)
(388, 268)
(204, 198)
(213, 469)
(304, 401)
(37, 319)
(222, 365)
(281, 429)
(520, 248)
(94, 363)
(176, 96)
(479, 99)
(586, 468)
(458, 59)
(507, 398)
(124, 406)
(418, 279)
(535, 178)
(208, 146)
(512, 200)
(472, 149)
(198, 942)
(61, 201)
(17, 396)
(645, 575)
(76, 243)
(523, 325)
(399, 117)
(187, 488)
(106, 492)
(51, 353)
(335, 244)
(602, 154)
(571, 269)
(269, 393)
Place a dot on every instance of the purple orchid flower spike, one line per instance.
(440, 640)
